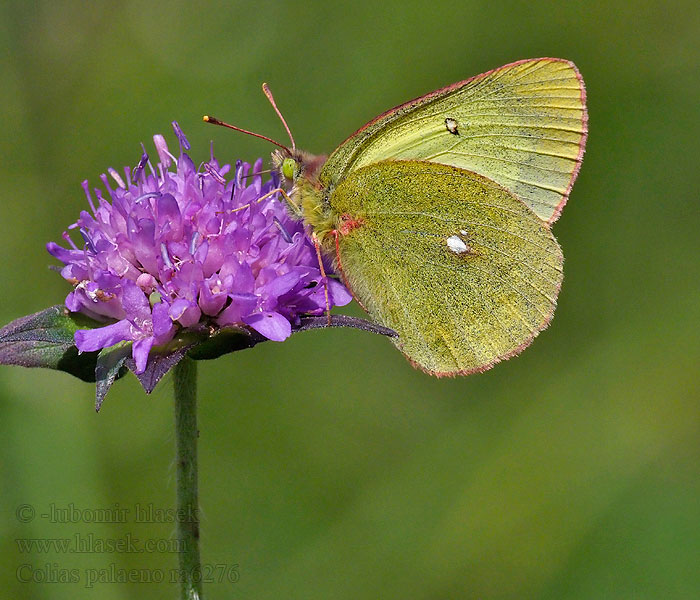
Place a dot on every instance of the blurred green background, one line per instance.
(329, 467)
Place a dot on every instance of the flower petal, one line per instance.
(241, 305)
(270, 324)
(339, 294)
(185, 311)
(90, 340)
(140, 351)
(163, 326)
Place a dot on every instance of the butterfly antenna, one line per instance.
(257, 173)
(215, 121)
(270, 97)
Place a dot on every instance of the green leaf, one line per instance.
(110, 366)
(163, 358)
(230, 339)
(225, 340)
(45, 339)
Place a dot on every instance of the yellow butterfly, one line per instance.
(437, 212)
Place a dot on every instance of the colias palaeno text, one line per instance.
(437, 213)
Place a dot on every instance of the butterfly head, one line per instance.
(295, 166)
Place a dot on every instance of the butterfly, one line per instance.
(437, 213)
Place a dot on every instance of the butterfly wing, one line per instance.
(462, 270)
(523, 125)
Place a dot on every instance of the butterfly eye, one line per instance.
(289, 168)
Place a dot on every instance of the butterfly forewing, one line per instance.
(456, 264)
(523, 125)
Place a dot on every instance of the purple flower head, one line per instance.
(180, 247)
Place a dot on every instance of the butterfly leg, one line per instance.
(317, 245)
(336, 234)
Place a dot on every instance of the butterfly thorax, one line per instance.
(299, 172)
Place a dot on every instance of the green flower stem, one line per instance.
(185, 375)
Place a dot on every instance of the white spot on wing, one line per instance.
(456, 244)
(452, 126)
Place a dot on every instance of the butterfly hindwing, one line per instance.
(523, 125)
(463, 271)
